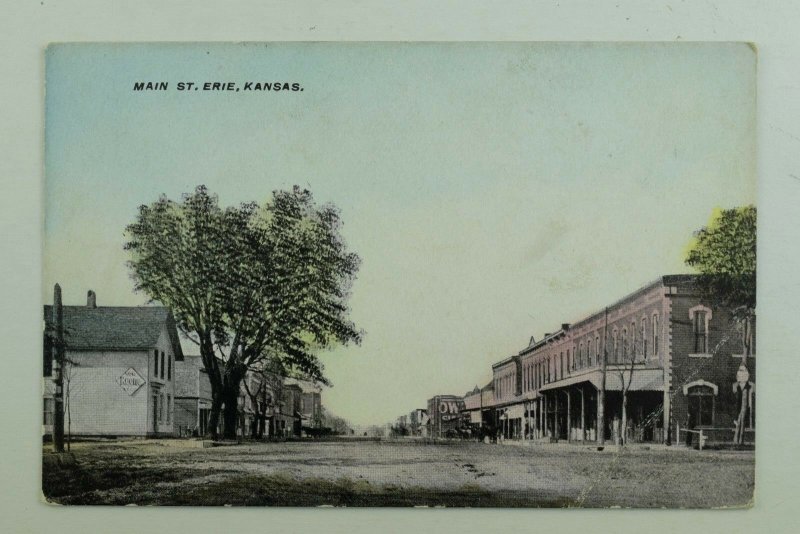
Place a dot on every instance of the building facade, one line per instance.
(119, 370)
(445, 415)
(669, 355)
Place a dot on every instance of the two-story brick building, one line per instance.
(674, 355)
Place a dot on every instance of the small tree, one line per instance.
(724, 253)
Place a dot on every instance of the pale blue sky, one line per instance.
(493, 191)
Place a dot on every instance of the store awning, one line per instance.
(643, 380)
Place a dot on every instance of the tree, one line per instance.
(724, 254)
(247, 283)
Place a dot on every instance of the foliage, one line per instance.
(248, 283)
(724, 253)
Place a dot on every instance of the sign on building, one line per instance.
(131, 381)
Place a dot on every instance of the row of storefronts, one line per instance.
(659, 365)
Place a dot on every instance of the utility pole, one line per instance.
(601, 395)
(58, 353)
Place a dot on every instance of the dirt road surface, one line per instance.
(398, 473)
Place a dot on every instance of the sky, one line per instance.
(492, 190)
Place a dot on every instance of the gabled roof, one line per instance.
(116, 327)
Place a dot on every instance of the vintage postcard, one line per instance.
(400, 274)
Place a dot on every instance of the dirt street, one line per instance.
(398, 473)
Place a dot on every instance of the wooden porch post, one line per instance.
(583, 415)
(569, 416)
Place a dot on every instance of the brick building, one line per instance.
(676, 356)
(119, 373)
(445, 415)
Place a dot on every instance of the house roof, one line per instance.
(117, 327)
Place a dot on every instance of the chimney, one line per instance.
(91, 299)
(565, 326)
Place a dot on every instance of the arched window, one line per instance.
(624, 343)
(589, 352)
(700, 316)
(655, 334)
(615, 345)
(597, 350)
(643, 336)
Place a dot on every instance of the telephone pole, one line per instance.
(601, 395)
(58, 360)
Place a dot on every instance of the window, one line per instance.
(561, 362)
(161, 408)
(162, 364)
(169, 407)
(701, 406)
(615, 345)
(643, 336)
(597, 349)
(155, 364)
(49, 410)
(589, 353)
(655, 334)
(700, 317)
(169, 367)
(624, 344)
(634, 346)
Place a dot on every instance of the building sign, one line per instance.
(131, 381)
(450, 410)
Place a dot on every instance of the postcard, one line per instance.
(517, 274)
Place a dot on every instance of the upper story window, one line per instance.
(634, 342)
(655, 334)
(615, 344)
(597, 349)
(624, 343)
(155, 363)
(162, 364)
(643, 337)
(169, 367)
(700, 316)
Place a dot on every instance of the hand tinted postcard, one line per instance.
(400, 274)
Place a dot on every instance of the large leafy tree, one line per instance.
(247, 283)
(724, 253)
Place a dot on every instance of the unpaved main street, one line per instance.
(398, 473)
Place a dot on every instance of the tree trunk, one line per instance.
(624, 425)
(738, 436)
(213, 418)
(230, 413)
